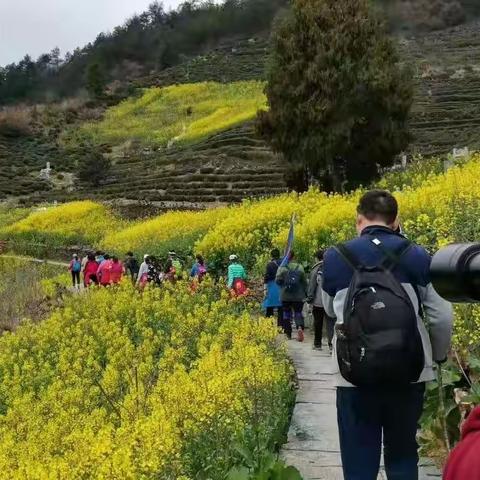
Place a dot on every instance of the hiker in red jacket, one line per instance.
(90, 271)
(116, 270)
(104, 272)
(464, 461)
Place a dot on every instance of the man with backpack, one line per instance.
(75, 268)
(314, 298)
(293, 284)
(391, 327)
(132, 266)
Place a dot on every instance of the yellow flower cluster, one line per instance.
(180, 113)
(252, 229)
(83, 223)
(127, 385)
(171, 231)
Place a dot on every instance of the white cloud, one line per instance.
(38, 26)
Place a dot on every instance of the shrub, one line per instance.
(15, 122)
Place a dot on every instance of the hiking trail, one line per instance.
(313, 445)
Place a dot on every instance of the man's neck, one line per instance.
(374, 224)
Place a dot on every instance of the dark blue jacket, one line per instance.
(414, 267)
(413, 272)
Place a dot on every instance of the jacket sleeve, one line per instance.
(312, 285)
(328, 287)
(304, 281)
(439, 316)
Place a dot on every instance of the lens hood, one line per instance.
(455, 273)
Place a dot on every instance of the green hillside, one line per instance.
(179, 114)
(215, 155)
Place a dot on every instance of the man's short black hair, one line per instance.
(275, 253)
(320, 253)
(378, 205)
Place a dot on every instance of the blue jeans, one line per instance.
(365, 414)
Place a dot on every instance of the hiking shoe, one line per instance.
(330, 347)
(300, 335)
(317, 347)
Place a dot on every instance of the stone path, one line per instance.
(312, 444)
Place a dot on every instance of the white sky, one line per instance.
(38, 26)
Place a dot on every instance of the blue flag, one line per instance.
(291, 236)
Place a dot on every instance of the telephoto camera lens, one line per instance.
(455, 272)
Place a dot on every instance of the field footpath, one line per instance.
(312, 445)
(34, 260)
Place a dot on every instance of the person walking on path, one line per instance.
(199, 269)
(293, 284)
(84, 262)
(142, 278)
(237, 277)
(116, 271)
(314, 298)
(90, 271)
(104, 271)
(272, 290)
(132, 266)
(378, 288)
(75, 268)
(464, 461)
(173, 267)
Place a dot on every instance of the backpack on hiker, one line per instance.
(292, 279)
(239, 287)
(202, 271)
(76, 266)
(379, 343)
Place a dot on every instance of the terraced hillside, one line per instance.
(234, 164)
(446, 111)
(224, 168)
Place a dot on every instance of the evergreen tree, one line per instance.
(95, 80)
(94, 167)
(338, 97)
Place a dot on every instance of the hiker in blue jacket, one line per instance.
(293, 284)
(388, 400)
(272, 299)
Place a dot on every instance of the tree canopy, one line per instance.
(338, 97)
(146, 43)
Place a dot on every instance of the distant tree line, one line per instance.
(145, 43)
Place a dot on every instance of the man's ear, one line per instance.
(396, 224)
(359, 223)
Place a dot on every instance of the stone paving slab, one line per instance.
(313, 445)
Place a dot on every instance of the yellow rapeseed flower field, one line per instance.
(171, 231)
(75, 223)
(179, 114)
(126, 385)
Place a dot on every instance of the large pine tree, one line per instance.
(338, 96)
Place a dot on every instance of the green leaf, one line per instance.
(239, 473)
(290, 473)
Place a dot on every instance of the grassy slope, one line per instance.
(179, 114)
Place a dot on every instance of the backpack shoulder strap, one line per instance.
(348, 256)
(392, 258)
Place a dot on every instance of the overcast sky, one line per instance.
(38, 26)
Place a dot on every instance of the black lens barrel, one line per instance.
(455, 272)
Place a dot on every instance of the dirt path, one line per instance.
(312, 444)
(35, 260)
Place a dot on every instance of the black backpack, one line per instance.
(379, 343)
(292, 280)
